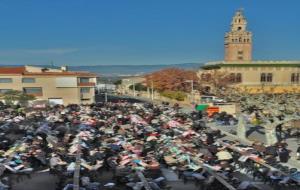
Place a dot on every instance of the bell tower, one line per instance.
(238, 41)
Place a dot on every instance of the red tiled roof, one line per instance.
(66, 73)
(22, 71)
(12, 70)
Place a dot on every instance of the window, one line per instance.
(28, 80)
(240, 52)
(235, 77)
(2, 91)
(5, 80)
(238, 77)
(33, 90)
(266, 77)
(240, 58)
(269, 77)
(262, 77)
(85, 90)
(295, 77)
(84, 80)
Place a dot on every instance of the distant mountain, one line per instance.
(122, 70)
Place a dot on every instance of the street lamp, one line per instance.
(152, 91)
(133, 87)
(192, 89)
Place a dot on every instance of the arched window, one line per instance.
(262, 77)
(248, 40)
(269, 77)
(238, 77)
(293, 77)
(240, 39)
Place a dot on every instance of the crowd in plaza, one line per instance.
(132, 142)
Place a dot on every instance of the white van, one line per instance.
(211, 99)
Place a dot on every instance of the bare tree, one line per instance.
(215, 81)
(272, 109)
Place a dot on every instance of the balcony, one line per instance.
(86, 84)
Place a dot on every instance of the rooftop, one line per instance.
(12, 70)
(218, 64)
(38, 71)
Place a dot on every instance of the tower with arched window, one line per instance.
(238, 41)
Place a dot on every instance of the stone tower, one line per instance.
(238, 41)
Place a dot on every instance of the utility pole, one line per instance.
(133, 87)
(105, 94)
(152, 91)
(148, 92)
(192, 89)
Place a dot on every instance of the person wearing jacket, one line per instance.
(298, 152)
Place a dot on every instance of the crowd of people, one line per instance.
(130, 143)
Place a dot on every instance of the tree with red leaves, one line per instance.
(172, 79)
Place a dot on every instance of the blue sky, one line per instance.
(106, 32)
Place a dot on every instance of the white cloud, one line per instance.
(50, 51)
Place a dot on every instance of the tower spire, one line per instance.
(238, 41)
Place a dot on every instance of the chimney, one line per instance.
(64, 68)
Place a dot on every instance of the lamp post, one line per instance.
(133, 87)
(192, 89)
(152, 91)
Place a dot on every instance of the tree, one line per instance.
(138, 87)
(12, 96)
(215, 82)
(118, 82)
(23, 99)
(172, 79)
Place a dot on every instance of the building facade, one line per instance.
(58, 86)
(256, 76)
